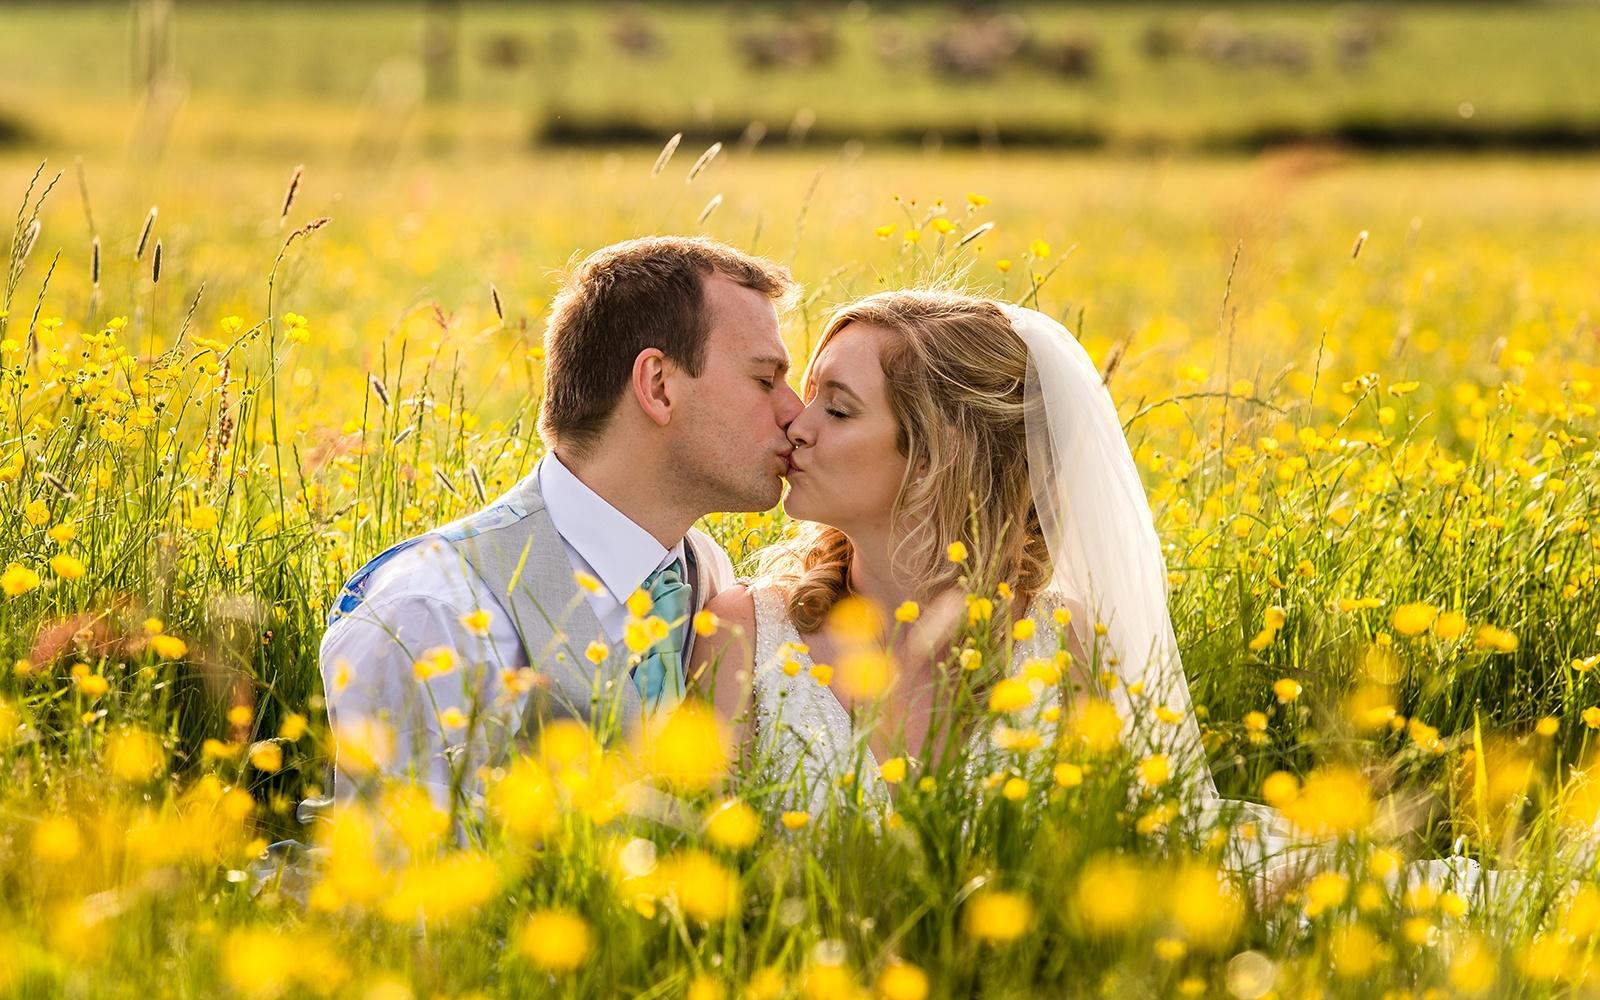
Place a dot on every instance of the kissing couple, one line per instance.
(941, 445)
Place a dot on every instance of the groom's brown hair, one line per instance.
(622, 299)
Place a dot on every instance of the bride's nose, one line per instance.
(797, 432)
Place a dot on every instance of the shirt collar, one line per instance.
(621, 553)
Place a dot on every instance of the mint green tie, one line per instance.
(659, 676)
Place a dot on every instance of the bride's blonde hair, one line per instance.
(955, 370)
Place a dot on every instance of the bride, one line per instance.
(955, 445)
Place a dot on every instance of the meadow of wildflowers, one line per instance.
(1363, 397)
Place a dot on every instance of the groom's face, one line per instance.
(733, 443)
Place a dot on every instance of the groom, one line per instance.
(664, 400)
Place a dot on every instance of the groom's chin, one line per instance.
(762, 497)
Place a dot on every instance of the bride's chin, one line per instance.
(794, 507)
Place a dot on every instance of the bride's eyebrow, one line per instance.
(839, 386)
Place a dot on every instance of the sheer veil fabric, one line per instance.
(1106, 555)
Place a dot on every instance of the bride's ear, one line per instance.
(924, 462)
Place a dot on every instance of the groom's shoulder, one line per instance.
(426, 570)
(707, 549)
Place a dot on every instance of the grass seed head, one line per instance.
(144, 234)
(666, 153)
(703, 162)
(288, 198)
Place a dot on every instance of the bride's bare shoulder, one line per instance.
(734, 605)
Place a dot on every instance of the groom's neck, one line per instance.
(633, 487)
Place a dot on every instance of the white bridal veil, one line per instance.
(1105, 554)
(1104, 551)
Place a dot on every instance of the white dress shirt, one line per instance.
(414, 603)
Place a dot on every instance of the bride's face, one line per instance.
(846, 467)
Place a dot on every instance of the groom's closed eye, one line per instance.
(771, 370)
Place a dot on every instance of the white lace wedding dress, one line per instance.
(806, 736)
(810, 747)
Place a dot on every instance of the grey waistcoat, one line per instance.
(513, 545)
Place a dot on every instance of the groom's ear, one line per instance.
(650, 386)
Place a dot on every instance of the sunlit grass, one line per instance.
(1373, 473)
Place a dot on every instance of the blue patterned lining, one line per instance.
(497, 515)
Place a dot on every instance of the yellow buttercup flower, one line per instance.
(1450, 625)
(705, 624)
(1497, 640)
(956, 552)
(57, 840)
(1413, 619)
(902, 981)
(134, 756)
(67, 567)
(168, 647)
(1110, 895)
(1095, 722)
(1155, 770)
(733, 825)
(795, 819)
(266, 756)
(477, 621)
(37, 512)
(639, 604)
(865, 673)
(706, 889)
(555, 940)
(997, 916)
(1279, 788)
(688, 749)
(204, 518)
(18, 579)
(1333, 801)
(436, 661)
(1009, 695)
